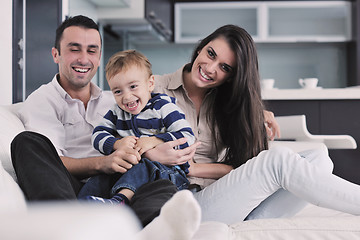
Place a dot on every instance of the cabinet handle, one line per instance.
(21, 44)
(160, 23)
(152, 14)
(21, 64)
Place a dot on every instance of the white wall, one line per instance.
(82, 7)
(6, 52)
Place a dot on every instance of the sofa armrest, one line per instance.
(11, 125)
(294, 128)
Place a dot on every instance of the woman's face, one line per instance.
(214, 64)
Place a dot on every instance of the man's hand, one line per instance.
(272, 127)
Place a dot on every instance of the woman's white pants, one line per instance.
(278, 183)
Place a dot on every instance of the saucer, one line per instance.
(317, 88)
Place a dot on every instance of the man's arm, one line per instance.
(119, 161)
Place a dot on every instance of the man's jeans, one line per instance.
(145, 171)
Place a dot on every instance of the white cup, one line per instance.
(308, 83)
(267, 83)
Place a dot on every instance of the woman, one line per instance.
(219, 92)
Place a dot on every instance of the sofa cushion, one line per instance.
(298, 228)
(11, 126)
(213, 231)
(11, 197)
(69, 220)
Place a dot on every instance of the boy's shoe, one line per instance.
(118, 199)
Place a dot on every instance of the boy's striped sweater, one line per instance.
(161, 118)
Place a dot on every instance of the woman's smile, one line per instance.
(204, 75)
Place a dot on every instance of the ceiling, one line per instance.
(110, 3)
(134, 30)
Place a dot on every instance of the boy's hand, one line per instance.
(146, 143)
(120, 160)
(125, 143)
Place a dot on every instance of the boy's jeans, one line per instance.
(145, 171)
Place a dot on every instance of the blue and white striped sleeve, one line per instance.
(103, 137)
(176, 125)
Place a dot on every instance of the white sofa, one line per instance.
(19, 220)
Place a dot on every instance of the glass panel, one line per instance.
(201, 22)
(305, 21)
(42, 19)
(287, 62)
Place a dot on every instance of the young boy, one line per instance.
(140, 120)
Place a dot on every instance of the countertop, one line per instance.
(309, 94)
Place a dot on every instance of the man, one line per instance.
(54, 155)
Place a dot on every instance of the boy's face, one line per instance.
(132, 89)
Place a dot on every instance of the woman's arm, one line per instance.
(119, 161)
(208, 170)
(167, 155)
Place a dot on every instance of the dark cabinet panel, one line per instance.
(343, 117)
(38, 67)
(160, 13)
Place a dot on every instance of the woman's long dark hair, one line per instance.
(236, 110)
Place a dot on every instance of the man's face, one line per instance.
(79, 57)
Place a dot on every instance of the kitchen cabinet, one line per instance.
(194, 21)
(33, 38)
(308, 21)
(329, 117)
(160, 13)
(285, 21)
(354, 48)
(140, 16)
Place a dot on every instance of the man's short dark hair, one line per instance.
(79, 21)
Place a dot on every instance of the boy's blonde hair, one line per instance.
(123, 60)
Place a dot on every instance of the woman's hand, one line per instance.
(272, 127)
(167, 155)
(144, 144)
